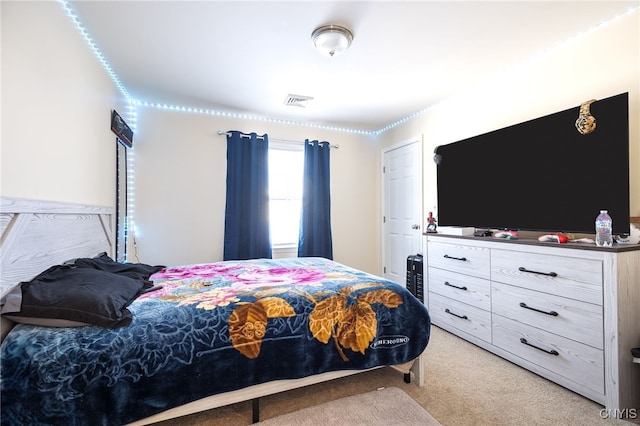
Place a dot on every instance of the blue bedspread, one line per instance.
(210, 329)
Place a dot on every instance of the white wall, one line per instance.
(596, 65)
(180, 173)
(56, 104)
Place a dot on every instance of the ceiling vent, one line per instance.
(297, 100)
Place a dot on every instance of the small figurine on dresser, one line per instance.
(432, 226)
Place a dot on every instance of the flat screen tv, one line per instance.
(540, 175)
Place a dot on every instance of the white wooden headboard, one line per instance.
(35, 235)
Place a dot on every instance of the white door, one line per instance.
(402, 198)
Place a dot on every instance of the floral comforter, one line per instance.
(208, 329)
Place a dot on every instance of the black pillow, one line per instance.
(76, 296)
(132, 270)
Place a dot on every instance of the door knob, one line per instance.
(415, 226)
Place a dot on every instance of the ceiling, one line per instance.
(247, 57)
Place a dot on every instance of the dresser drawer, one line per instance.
(571, 277)
(577, 362)
(569, 318)
(464, 259)
(464, 288)
(471, 320)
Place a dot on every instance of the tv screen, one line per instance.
(540, 175)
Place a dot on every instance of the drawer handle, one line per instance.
(456, 315)
(455, 286)
(551, 352)
(464, 259)
(552, 313)
(549, 274)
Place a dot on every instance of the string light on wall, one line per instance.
(331, 40)
(130, 225)
(98, 54)
(251, 117)
(131, 115)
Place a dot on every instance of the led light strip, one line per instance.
(130, 225)
(564, 43)
(409, 117)
(115, 78)
(131, 117)
(249, 117)
(85, 34)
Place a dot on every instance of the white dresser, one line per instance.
(567, 312)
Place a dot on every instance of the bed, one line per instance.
(193, 337)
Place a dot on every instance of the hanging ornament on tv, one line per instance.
(586, 123)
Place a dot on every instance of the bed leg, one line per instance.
(407, 377)
(255, 405)
(419, 370)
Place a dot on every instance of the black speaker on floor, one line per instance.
(415, 282)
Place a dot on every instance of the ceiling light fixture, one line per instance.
(331, 40)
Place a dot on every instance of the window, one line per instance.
(286, 164)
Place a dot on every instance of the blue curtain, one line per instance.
(315, 221)
(246, 222)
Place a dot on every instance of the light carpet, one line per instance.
(383, 407)
(465, 386)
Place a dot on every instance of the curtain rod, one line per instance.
(220, 132)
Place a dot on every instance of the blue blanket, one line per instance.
(209, 329)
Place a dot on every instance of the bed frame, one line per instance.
(35, 235)
(38, 234)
